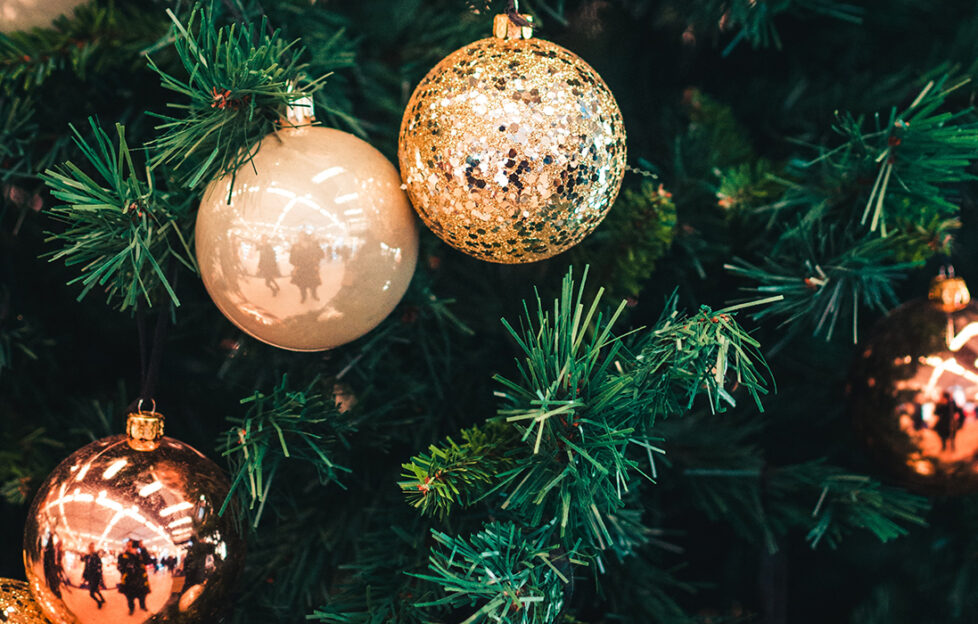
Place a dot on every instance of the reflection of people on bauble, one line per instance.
(93, 574)
(195, 568)
(949, 419)
(52, 567)
(305, 256)
(132, 566)
(268, 265)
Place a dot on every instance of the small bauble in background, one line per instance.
(17, 15)
(17, 605)
(127, 529)
(913, 391)
(512, 148)
(317, 245)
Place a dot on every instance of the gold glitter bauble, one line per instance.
(317, 245)
(512, 149)
(17, 605)
(127, 529)
(913, 392)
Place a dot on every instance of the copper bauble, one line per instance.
(140, 512)
(512, 148)
(913, 392)
(17, 605)
(317, 244)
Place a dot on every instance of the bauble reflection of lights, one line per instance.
(512, 148)
(310, 245)
(913, 391)
(80, 516)
(17, 605)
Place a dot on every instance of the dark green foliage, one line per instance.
(239, 82)
(509, 576)
(754, 20)
(98, 37)
(633, 237)
(379, 588)
(727, 477)
(17, 126)
(862, 214)
(914, 155)
(122, 232)
(284, 425)
(637, 449)
(823, 280)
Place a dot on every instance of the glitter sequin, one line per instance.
(512, 150)
(17, 605)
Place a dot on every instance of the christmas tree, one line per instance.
(651, 426)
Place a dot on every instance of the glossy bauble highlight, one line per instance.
(913, 392)
(317, 244)
(128, 529)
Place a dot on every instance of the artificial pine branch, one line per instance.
(823, 279)
(754, 20)
(864, 213)
(584, 407)
(515, 578)
(456, 474)
(287, 424)
(916, 153)
(122, 231)
(380, 584)
(239, 81)
(725, 474)
(94, 38)
(851, 501)
(17, 129)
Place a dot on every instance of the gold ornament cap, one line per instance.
(950, 292)
(505, 28)
(144, 428)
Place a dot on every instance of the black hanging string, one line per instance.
(151, 350)
(154, 358)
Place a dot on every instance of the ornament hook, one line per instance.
(300, 111)
(948, 291)
(512, 24)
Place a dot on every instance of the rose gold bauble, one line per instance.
(512, 148)
(913, 391)
(117, 492)
(17, 605)
(317, 245)
(16, 15)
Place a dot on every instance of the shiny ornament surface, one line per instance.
(16, 15)
(317, 245)
(17, 605)
(913, 394)
(117, 534)
(512, 149)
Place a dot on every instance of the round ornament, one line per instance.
(913, 391)
(17, 605)
(512, 148)
(316, 245)
(128, 529)
(18, 15)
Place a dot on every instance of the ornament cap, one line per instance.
(950, 292)
(144, 430)
(505, 28)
